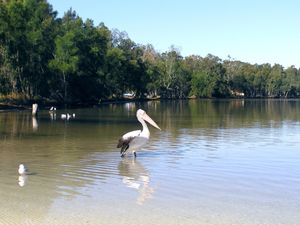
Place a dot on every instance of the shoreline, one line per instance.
(4, 106)
(13, 107)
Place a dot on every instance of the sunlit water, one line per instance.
(213, 163)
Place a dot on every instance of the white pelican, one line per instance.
(136, 139)
(22, 170)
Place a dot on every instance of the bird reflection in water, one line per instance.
(35, 124)
(135, 176)
(22, 180)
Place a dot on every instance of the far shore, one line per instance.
(4, 106)
(13, 107)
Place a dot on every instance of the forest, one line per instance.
(44, 58)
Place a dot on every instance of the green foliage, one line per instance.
(26, 33)
(201, 84)
(70, 60)
(209, 78)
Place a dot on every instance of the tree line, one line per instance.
(68, 60)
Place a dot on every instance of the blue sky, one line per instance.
(256, 31)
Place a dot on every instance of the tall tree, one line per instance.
(211, 78)
(66, 56)
(93, 44)
(170, 72)
(291, 82)
(27, 34)
(275, 81)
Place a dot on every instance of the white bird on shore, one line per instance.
(136, 139)
(65, 116)
(22, 169)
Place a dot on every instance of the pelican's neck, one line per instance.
(145, 131)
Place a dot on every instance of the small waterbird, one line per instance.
(22, 169)
(67, 116)
(136, 139)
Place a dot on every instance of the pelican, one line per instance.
(136, 139)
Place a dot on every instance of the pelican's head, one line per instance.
(141, 114)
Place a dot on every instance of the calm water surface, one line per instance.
(214, 162)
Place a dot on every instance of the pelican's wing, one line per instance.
(125, 140)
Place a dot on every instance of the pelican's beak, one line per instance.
(149, 120)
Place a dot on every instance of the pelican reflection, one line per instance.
(135, 176)
(52, 115)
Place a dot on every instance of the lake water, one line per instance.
(213, 163)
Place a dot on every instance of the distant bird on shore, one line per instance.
(52, 109)
(67, 116)
(136, 139)
(22, 170)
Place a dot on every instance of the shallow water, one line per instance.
(214, 162)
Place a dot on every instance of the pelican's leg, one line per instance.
(134, 153)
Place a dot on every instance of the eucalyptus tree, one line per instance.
(66, 53)
(88, 83)
(260, 79)
(275, 81)
(126, 71)
(247, 78)
(210, 78)
(169, 65)
(116, 64)
(237, 82)
(114, 74)
(137, 76)
(150, 59)
(248, 72)
(291, 82)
